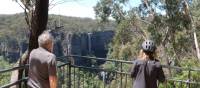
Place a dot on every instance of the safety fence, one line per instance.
(116, 74)
(113, 74)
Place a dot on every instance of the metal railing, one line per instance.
(10, 70)
(14, 83)
(116, 76)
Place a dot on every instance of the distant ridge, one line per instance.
(14, 25)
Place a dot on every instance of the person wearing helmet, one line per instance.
(146, 70)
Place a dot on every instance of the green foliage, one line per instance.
(123, 33)
(14, 30)
(170, 27)
(124, 45)
(4, 77)
(187, 63)
(111, 66)
(77, 25)
(172, 32)
(110, 8)
(14, 26)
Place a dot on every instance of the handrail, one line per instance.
(100, 69)
(183, 81)
(128, 73)
(23, 67)
(61, 65)
(14, 83)
(107, 70)
(14, 68)
(122, 61)
(181, 68)
(95, 58)
(130, 62)
(23, 79)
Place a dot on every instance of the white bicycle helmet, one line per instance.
(148, 46)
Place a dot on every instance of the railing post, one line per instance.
(121, 74)
(26, 75)
(83, 80)
(189, 76)
(125, 81)
(69, 75)
(74, 77)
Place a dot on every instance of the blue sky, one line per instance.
(76, 8)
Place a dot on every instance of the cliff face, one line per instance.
(90, 44)
(84, 44)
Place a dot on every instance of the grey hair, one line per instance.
(45, 38)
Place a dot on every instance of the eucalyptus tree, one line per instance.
(36, 15)
(168, 22)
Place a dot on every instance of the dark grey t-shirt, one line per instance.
(40, 61)
(146, 73)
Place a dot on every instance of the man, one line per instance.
(42, 69)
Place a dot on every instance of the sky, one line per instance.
(75, 8)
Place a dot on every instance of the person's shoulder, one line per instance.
(45, 52)
(36, 51)
(51, 58)
(33, 51)
(138, 61)
(51, 55)
(157, 62)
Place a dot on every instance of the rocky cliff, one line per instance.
(84, 44)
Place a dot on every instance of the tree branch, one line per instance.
(20, 4)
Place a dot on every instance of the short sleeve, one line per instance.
(52, 61)
(134, 69)
(52, 65)
(160, 76)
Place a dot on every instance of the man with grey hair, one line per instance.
(42, 68)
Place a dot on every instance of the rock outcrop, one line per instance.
(83, 44)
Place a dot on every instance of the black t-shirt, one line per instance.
(146, 73)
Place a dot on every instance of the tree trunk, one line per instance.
(196, 45)
(38, 22)
(38, 25)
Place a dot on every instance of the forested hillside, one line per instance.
(14, 32)
(15, 25)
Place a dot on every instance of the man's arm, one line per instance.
(161, 75)
(52, 77)
(134, 70)
(52, 72)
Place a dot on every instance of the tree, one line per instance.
(36, 15)
(168, 22)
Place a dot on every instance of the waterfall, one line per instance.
(89, 43)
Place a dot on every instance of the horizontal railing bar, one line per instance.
(61, 65)
(128, 73)
(100, 69)
(23, 67)
(21, 80)
(14, 68)
(130, 62)
(184, 81)
(95, 58)
(60, 58)
(107, 70)
(181, 68)
(14, 83)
